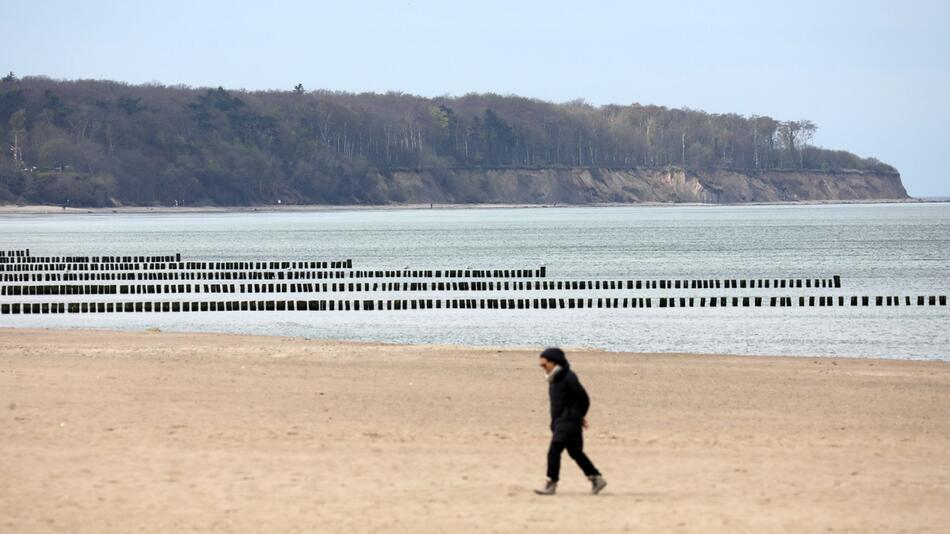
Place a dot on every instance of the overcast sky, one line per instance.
(874, 76)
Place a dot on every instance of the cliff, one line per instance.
(539, 185)
(594, 186)
(104, 143)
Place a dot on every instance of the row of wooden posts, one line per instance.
(8, 254)
(55, 264)
(428, 304)
(20, 278)
(339, 287)
(130, 268)
(71, 260)
(123, 265)
(172, 276)
(121, 271)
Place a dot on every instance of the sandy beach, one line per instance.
(169, 432)
(42, 209)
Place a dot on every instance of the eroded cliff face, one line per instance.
(598, 185)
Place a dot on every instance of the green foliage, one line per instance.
(158, 145)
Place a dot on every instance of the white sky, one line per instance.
(873, 75)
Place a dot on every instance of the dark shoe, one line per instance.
(597, 483)
(549, 488)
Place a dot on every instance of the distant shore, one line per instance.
(288, 208)
(112, 431)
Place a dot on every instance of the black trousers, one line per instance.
(574, 443)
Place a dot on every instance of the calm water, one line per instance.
(891, 249)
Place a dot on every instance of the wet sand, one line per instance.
(170, 432)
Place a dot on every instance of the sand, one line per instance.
(49, 209)
(169, 432)
(46, 209)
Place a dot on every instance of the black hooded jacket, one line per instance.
(569, 402)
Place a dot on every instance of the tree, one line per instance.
(58, 111)
(10, 102)
(10, 77)
(499, 137)
(215, 145)
(788, 135)
(18, 127)
(794, 136)
(806, 134)
(763, 138)
(130, 105)
(446, 128)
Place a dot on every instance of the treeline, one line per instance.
(101, 142)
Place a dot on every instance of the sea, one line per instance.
(897, 250)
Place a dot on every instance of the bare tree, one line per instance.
(18, 127)
(806, 133)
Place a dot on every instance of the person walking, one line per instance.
(569, 404)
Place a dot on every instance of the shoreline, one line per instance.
(517, 348)
(318, 208)
(108, 431)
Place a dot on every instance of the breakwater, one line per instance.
(229, 286)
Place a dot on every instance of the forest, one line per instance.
(104, 143)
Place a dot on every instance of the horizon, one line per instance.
(870, 75)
